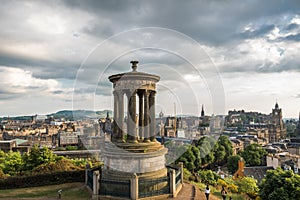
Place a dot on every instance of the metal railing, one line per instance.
(118, 188)
(154, 187)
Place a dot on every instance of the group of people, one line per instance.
(223, 193)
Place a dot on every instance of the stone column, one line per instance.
(152, 116)
(131, 116)
(134, 189)
(96, 176)
(146, 116)
(181, 170)
(121, 116)
(172, 182)
(116, 116)
(141, 114)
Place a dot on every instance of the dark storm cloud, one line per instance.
(211, 22)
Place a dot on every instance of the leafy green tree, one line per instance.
(188, 159)
(253, 155)
(206, 145)
(232, 164)
(280, 185)
(219, 152)
(13, 163)
(225, 142)
(38, 156)
(208, 177)
(248, 185)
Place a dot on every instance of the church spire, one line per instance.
(276, 105)
(202, 111)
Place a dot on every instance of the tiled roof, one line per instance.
(257, 172)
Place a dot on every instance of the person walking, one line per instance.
(207, 191)
(223, 193)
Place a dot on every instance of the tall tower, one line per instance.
(297, 130)
(277, 116)
(277, 129)
(202, 112)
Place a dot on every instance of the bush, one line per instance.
(71, 148)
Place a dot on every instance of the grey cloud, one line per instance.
(212, 22)
(261, 31)
(292, 26)
(293, 37)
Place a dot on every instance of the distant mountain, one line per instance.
(80, 114)
(69, 115)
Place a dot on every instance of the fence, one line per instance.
(178, 178)
(118, 188)
(153, 187)
(136, 187)
(90, 177)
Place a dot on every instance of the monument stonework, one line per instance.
(134, 151)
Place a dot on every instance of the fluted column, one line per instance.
(121, 116)
(152, 116)
(131, 119)
(141, 114)
(116, 117)
(146, 117)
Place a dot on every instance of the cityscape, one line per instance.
(121, 100)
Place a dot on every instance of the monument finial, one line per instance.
(134, 65)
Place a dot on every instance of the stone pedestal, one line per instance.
(134, 158)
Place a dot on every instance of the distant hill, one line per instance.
(69, 115)
(80, 114)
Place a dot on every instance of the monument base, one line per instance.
(136, 158)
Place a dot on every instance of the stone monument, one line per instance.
(133, 150)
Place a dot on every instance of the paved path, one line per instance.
(191, 192)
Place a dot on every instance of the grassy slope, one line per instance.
(70, 191)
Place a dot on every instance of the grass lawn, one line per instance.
(70, 191)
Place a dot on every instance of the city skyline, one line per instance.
(51, 57)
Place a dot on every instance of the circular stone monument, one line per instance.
(133, 148)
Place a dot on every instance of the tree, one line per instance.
(208, 177)
(13, 163)
(38, 156)
(253, 155)
(248, 185)
(219, 152)
(225, 142)
(206, 145)
(232, 164)
(188, 159)
(280, 185)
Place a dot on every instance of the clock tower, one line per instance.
(277, 116)
(277, 128)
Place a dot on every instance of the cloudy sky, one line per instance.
(225, 54)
